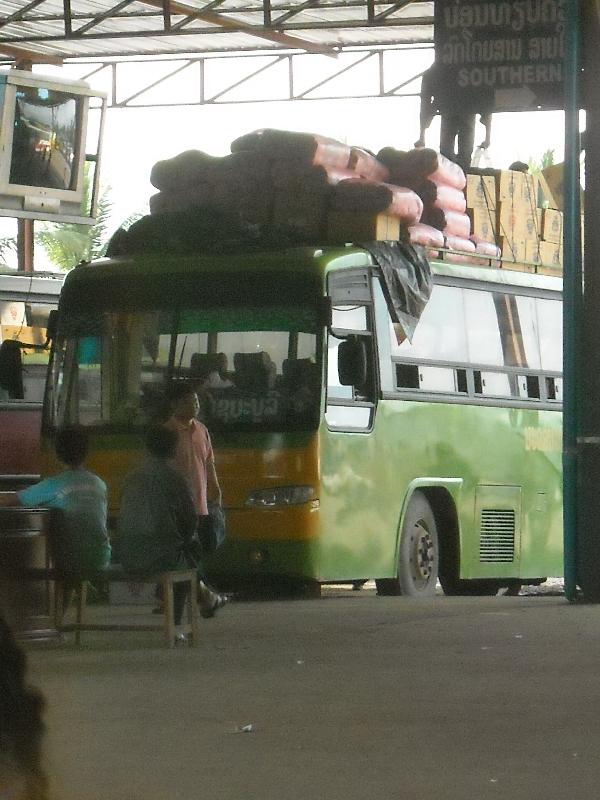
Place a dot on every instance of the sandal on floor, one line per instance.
(219, 602)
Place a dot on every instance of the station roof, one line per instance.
(61, 31)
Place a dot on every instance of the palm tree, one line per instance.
(547, 160)
(7, 243)
(69, 243)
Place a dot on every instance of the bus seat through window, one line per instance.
(254, 372)
(352, 362)
(201, 365)
(299, 372)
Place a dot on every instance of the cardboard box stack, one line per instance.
(504, 206)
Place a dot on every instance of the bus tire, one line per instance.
(452, 584)
(418, 557)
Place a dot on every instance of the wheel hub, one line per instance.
(424, 553)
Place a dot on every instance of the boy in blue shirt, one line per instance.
(80, 496)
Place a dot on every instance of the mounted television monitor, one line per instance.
(43, 147)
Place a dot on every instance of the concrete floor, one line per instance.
(350, 696)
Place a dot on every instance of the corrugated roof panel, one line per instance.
(137, 29)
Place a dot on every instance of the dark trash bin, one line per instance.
(24, 543)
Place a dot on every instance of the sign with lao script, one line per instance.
(499, 56)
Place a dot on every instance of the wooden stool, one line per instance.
(116, 574)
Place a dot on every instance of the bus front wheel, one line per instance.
(418, 558)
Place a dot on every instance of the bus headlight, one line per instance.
(280, 496)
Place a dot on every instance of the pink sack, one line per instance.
(293, 146)
(459, 243)
(486, 248)
(450, 222)
(367, 166)
(416, 165)
(436, 195)
(425, 235)
(447, 172)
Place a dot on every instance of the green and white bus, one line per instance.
(343, 453)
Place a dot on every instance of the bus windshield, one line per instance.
(254, 368)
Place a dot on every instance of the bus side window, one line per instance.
(28, 327)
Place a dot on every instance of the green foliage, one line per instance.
(547, 160)
(7, 244)
(67, 244)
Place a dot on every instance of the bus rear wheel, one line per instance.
(418, 557)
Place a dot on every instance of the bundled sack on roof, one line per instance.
(473, 253)
(199, 195)
(252, 199)
(189, 231)
(293, 146)
(409, 168)
(189, 167)
(359, 194)
(459, 243)
(241, 166)
(425, 235)
(237, 182)
(366, 165)
(442, 196)
(449, 222)
(489, 250)
(302, 214)
(296, 176)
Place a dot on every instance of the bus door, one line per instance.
(351, 373)
(350, 469)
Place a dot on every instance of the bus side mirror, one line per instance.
(352, 362)
(52, 326)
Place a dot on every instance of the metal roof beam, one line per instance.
(187, 20)
(267, 13)
(101, 17)
(230, 24)
(295, 11)
(21, 13)
(166, 15)
(68, 17)
(413, 22)
(375, 88)
(389, 11)
(245, 79)
(154, 83)
(329, 78)
(287, 8)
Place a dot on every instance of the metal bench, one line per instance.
(116, 574)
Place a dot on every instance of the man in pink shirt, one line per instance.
(194, 456)
(194, 459)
